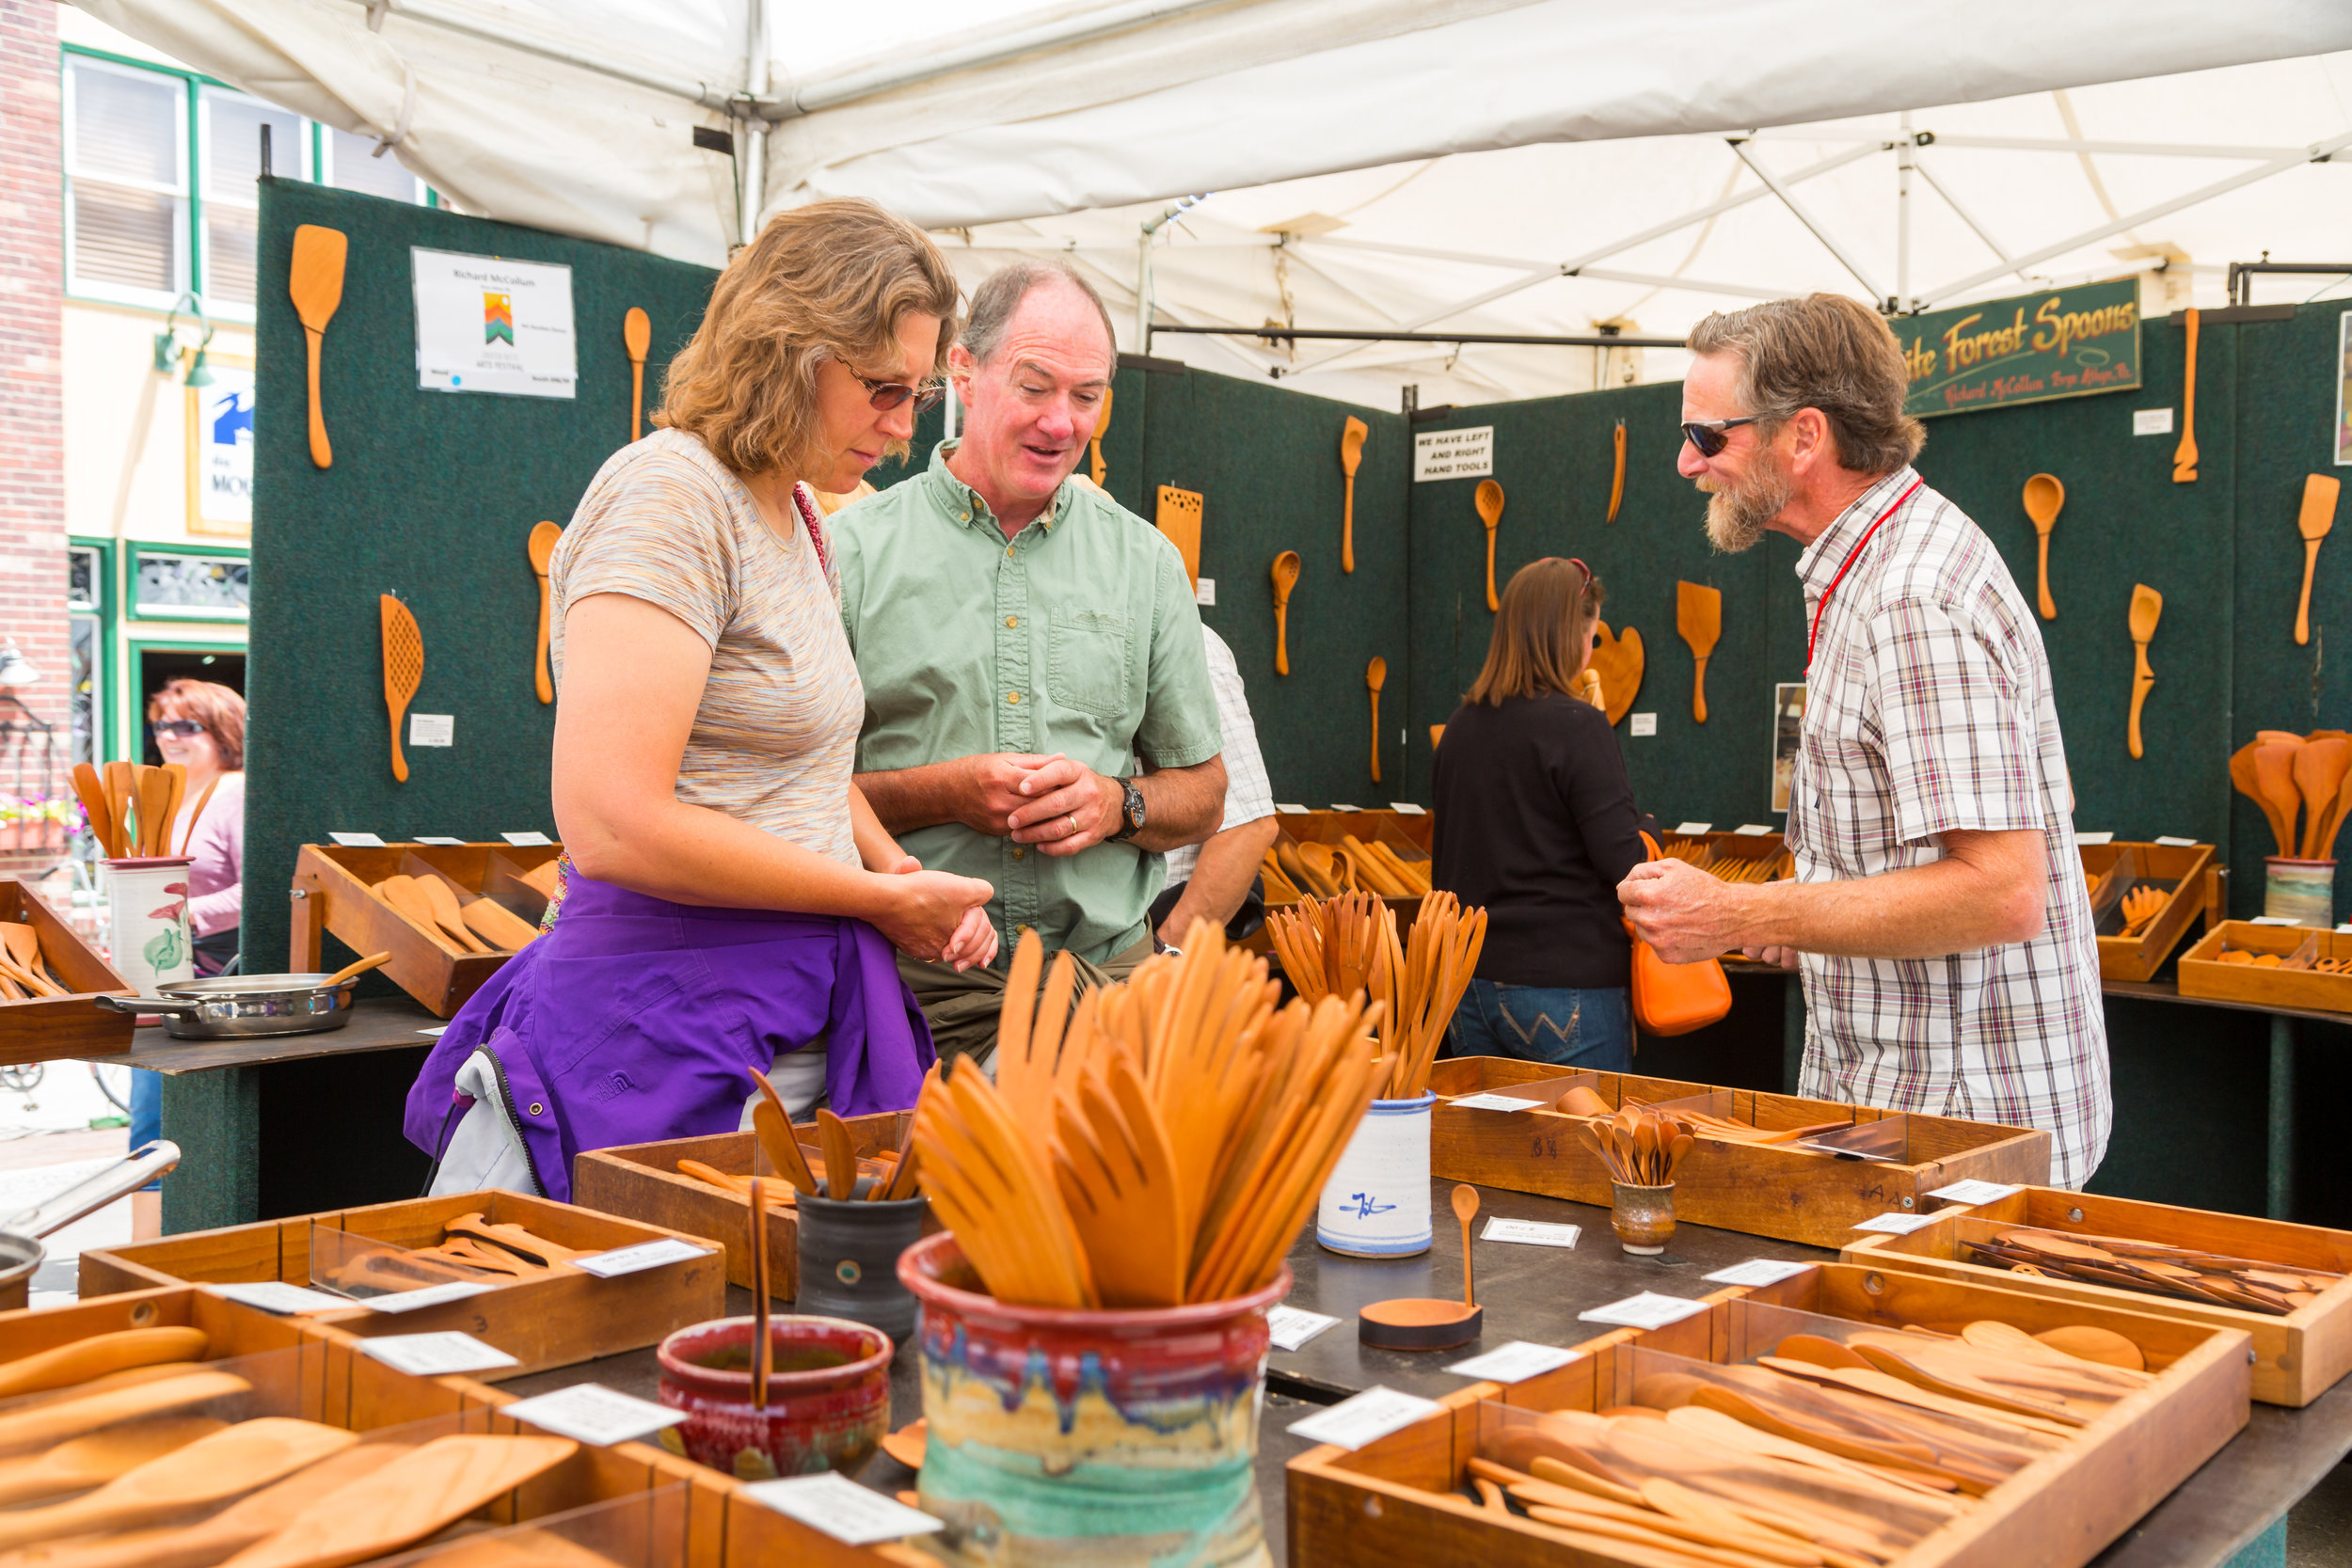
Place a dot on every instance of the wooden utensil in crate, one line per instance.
(335, 890)
(66, 1024)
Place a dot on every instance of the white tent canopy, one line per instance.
(1494, 166)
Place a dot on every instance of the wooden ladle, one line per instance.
(1465, 1210)
(544, 538)
(2147, 606)
(1351, 454)
(1285, 579)
(1489, 502)
(637, 332)
(1376, 676)
(2044, 496)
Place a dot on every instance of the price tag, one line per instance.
(1204, 591)
(1342, 805)
(2272, 920)
(437, 838)
(2176, 843)
(1641, 724)
(1406, 808)
(1369, 1417)
(436, 1031)
(644, 1255)
(1973, 1191)
(1694, 828)
(1753, 830)
(1898, 1223)
(1289, 810)
(432, 729)
(272, 1296)
(434, 1354)
(842, 1508)
(1759, 1270)
(592, 1413)
(2104, 838)
(526, 841)
(2152, 421)
(1530, 1232)
(358, 841)
(1647, 1310)
(1495, 1102)
(1513, 1363)
(1292, 1327)
(415, 1301)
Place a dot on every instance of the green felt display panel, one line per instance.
(431, 497)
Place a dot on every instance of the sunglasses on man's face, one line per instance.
(887, 395)
(1711, 436)
(184, 728)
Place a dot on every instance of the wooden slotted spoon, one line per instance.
(2044, 496)
(1285, 579)
(314, 278)
(1376, 676)
(2147, 607)
(404, 670)
(1351, 454)
(1489, 499)
(637, 332)
(544, 538)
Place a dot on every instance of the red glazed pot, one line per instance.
(828, 1396)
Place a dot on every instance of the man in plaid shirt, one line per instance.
(1939, 914)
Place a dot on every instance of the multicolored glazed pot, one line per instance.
(849, 1253)
(1377, 1203)
(828, 1396)
(1115, 1439)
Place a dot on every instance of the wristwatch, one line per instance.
(1132, 810)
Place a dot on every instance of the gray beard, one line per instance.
(1736, 518)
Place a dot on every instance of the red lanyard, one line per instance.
(816, 532)
(1847, 566)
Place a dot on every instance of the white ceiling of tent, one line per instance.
(1449, 155)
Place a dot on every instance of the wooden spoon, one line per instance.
(2102, 1345)
(404, 664)
(763, 1338)
(154, 807)
(840, 1157)
(1376, 676)
(171, 808)
(781, 1148)
(250, 1518)
(2274, 775)
(315, 279)
(1616, 482)
(1465, 1210)
(1699, 620)
(1098, 469)
(908, 1443)
(416, 1495)
(91, 791)
(544, 538)
(98, 1355)
(1352, 454)
(2185, 456)
(215, 1467)
(2317, 516)
(97, 1459)
(1489, 501)
(2044, 496)
(637, 332)
(1286, 578)
(447, 915)
(2147, 606)
(56, 1421)
(2244, 779)
(2319, 771)
(2006, 1339)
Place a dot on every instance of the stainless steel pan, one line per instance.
(21, 1251)
(245, 1007)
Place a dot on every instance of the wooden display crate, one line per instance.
(562, 1317)
(1399, 1499)
(1408, 836)
(2203, 974)
(334, 891)
(642, 1182)
(1732, 845)
(50, 1028)
(2298, 1357)
(1791, 1194)
(2195, 890)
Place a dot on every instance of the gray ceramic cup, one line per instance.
(848, 1255)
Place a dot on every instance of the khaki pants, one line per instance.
(962, 1008)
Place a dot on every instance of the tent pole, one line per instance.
(1804, 215)
(1901, 304)
(752, 127)
(1969, 218)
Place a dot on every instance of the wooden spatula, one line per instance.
(121, 794)
(1351, 435)
(1616, 482)
(2317, 516)
(544, 538)
(97, 1356)
(99, 1457)
(1376, 676)
(637, 332)
(250, 1518)
(1286, 578)
(2147, 607)
(447, 915)
(211, 1470)
(495, 924)
(832, 1134)
(56, 1421)
(783, 1147)
(2185, 456)
(1489, 499)
(2244, 778)
(315, 281)
(1118, 1176)
(91, 791)
(2044, 496)
(1179, 517)
(430, 1487)
(155, 810)
(1699, 619)
(1097, 469)
(404, 670)
(2319, 770)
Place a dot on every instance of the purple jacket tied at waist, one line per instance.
(636, 1019)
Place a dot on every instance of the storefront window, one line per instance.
(126, 182)
(232, 163)
(351, 166)
(206, 587)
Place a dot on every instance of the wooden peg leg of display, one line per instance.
(306, 932)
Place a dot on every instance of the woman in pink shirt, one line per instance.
(200, 726)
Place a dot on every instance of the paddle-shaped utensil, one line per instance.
(2319, 769)
(2274, 775)
(637, 332)
(91, 791)
(1098, 468)
(404, 670)
(777, 1138)
(544, 538)
(1699, 619)
(1286, 578)
(1465, 1210)
(2244, 778)
(314, 278)
(211, 1470)
(98, 1355)
(1179, 517)
(2317, 516)
(1616, 482)
(357, 966)
(2147, 606)
(432, 1484)
(1351, 454)
(1620, 662)
(1376, 676)
(1489, 499)
(2044, 496)
(2185, 456)
(1115, 1167)
(97, 1459)
(833, 1136)
(446, 914)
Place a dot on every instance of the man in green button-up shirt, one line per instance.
(1021, 638)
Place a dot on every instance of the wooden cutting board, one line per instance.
(1179, 517)
(1619, 660)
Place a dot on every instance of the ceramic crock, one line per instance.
(2303, 891)
(1642, 1217)
(147, 921)
(828, 1396)
(1376, 1204)
(848, 1255)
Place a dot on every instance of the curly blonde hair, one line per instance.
(833, 281)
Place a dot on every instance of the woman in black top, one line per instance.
(1535, 822)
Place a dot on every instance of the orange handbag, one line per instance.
(1675, 999)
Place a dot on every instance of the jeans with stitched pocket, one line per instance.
(1587, 1030)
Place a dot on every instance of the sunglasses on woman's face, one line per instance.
(1711, 436)
(184, 728)
(887, 395)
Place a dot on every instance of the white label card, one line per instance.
(592, 1413)
(1204, 591)
(1647, 1310)
(1293, 1326)
(1530, 1232)
(2170, 841)
(526, 841)
(1974, 1191)
(1514, 1362)
(1759, 1270)
(1369, 1417)
(1641, 724)
(438, 838)
(1289, 810)
(2274, 920)
(276, 1295)
(1494, 1102)
(1894, 1223)
(432, 729)
(842, 1508)
(644, 1255)
(488, 325)
(358, 841)
(1406, 808)
(1453, 453)
(436, 1031)
(434, 1355)
(2104, 837)
(1694, 828)
(1753, 830)
(415, 1301)
(2152, 421)
(1344, 805)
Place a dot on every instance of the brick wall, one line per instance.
(32, 457)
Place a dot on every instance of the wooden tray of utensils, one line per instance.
(1385, 852)
(551, 1315)
(2053, 1493)
(1734, 857)
(1748, 1171)
(450, 914)
(643, 1181)
(58, 1018)
(2235, 962)
(2302, 1336)
(2144, 898)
